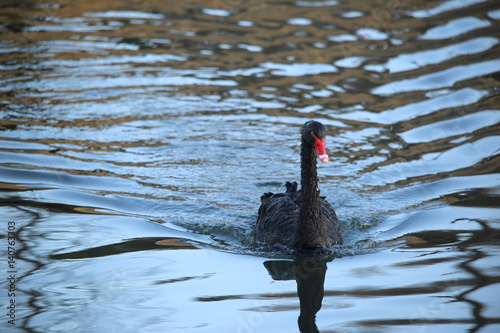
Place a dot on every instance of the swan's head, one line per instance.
(314, 133)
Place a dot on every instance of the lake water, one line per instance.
(136, 138)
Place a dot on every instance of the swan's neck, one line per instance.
(311, 230)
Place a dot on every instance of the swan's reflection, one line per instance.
(309, 272)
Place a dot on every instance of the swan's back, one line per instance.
(278, 219)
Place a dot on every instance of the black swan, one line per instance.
(300, 219)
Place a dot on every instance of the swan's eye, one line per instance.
(316, 137)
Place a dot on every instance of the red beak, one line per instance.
(320, 148)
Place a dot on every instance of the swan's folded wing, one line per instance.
(277, 220)
(333, 232)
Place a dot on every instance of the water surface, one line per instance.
(136, 139)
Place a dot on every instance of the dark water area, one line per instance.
(136, 138)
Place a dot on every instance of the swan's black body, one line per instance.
(299, 219)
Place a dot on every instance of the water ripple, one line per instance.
(132, 129)
(440, 79)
